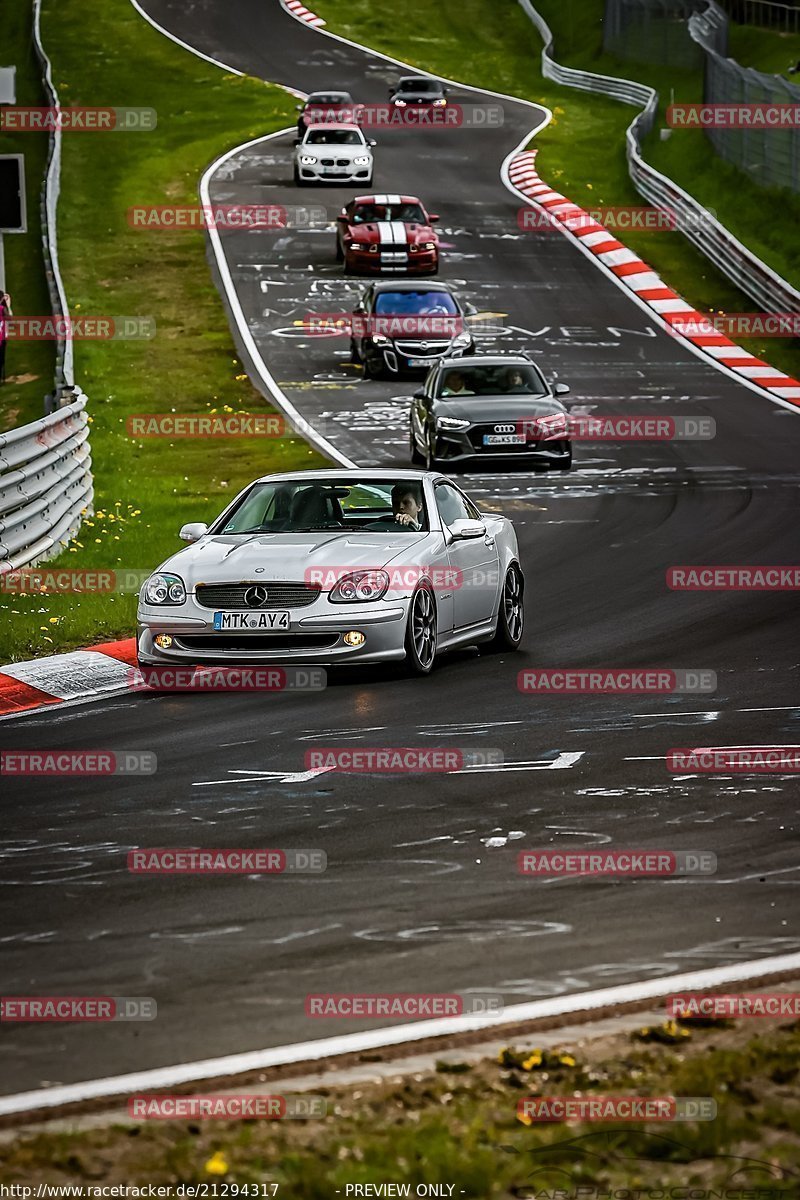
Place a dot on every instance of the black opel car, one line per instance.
(401, 327)
(497, 407)
(418, 90)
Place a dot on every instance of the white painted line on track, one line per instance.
(375, 1039)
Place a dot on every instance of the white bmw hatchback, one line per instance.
(333, 153)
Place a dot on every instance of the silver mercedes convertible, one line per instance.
(336, 567)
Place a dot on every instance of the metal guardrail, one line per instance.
(49, 205)
(45, 467)
(45, 485)
(766, 13)
(727, 253)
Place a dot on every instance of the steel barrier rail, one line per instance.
(45, 485)
(727, 253)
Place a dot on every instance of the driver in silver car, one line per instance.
(407, 505)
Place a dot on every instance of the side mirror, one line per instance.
(299, 107)
(419, 394)
(297, 141)
(561, 389)
(372, 142)
(193, 531)
(470, 310)
(433, 217)
(466, 530)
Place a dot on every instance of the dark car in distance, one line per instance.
(490, 407)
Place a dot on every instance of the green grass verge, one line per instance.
(582, 151)
(458, 1126)
(765, 50)
(105, 54)
(30, 366)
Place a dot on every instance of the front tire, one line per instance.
(431, 461)
(510, 613)
(566, 465)
(421, 632)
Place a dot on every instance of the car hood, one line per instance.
(392, 231)
(498, 408)
(268, 557)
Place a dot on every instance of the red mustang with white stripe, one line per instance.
(387, 234)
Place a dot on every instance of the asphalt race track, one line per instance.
(421, 891)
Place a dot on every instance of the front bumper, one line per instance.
(399, 362)
(315, 635)
(400, 263)
(321, 174)
(454, 446)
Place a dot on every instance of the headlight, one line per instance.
(439, 103)
(400, 103)
(363, 160)
(427, 246)
(359, 587)
(461, 340)
(380, 339)
(357, 246)
(307, 159)
(452, 423)
(164, 589)
(556, 426)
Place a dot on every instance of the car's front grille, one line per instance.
(247, 644)
(278, 595)
(416, 350)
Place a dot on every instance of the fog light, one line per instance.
(163, 641)
(354, 638)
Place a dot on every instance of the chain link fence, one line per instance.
(683, 33)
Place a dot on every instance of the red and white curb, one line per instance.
(75, 676)
(302, 13)
(648, 286)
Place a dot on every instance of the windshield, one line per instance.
(334, 137)
(415, 302)
(292, 506)
(407, 213)
(328, 98)
(419, 85)
(495, 380)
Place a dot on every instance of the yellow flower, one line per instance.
(566, 1060)
(535, 1060)
(217, 1164)
(525, 1118)
(54, 620)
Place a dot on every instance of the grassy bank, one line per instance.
(105, 54)
(458, 1125)
(30, 366)
(582, 151)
